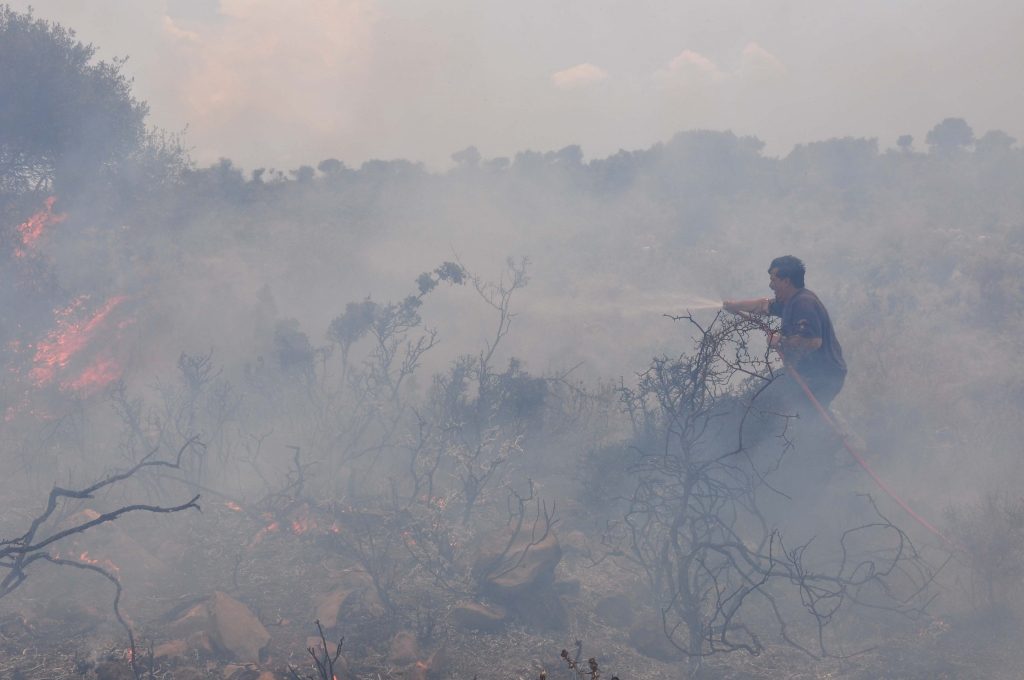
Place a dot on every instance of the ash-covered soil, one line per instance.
(287, 568)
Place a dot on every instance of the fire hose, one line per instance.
(830, 421)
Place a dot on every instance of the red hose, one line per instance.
(859, 458)
(846, 445)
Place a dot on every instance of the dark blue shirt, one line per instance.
(804, 315)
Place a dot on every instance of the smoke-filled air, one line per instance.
(363, 340)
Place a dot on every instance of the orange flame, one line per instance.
(106, 564)
(303, 524)
(231, 505)
(95, 377)
(262, 533)
(31, 229)
(70, 337)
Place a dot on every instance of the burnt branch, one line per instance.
(323, 660)
(118, 591)
(18, 554)
(694, 528)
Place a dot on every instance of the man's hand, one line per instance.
(793, 347)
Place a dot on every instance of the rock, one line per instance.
(200, 642)
(234, 671)
(174, 648)
(330, 607)
(615, 610)
(317, 643)
(541, 609)
(521, 577)
(361, 598)
(404, 648)
(471, 615)
(196, 618)
(224, 623)
(370, 604)
(523, 566)
(648, 637)
(340, 666)
(235, 629)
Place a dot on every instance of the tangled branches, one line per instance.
(35, 544)
(715, 562)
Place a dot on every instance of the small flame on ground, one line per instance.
(231, 505)
(262, 533)
(302, 525)
(31, 229)
(105, 564)
(94, 377)
(67, 340)
(78, 354)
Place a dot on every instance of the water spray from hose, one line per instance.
(628, 304)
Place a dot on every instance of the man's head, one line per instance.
(786, 276)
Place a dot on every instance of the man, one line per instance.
(806, 340)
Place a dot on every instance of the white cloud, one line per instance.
(580, 75)
(757, 62)
(689, 68)
(282, 83)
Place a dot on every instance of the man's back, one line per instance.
(824, 368)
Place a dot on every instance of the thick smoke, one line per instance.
(323, 331)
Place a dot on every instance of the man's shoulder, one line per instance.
(806, 296)
(805, 302)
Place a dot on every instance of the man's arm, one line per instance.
(757, 306)
(804, 333)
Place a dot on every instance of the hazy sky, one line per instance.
(280, 83)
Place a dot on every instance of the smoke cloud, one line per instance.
(361, 79)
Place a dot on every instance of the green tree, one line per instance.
(994, 142)
(64, 118)
(950, 136)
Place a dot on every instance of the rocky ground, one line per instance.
(235, 594)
